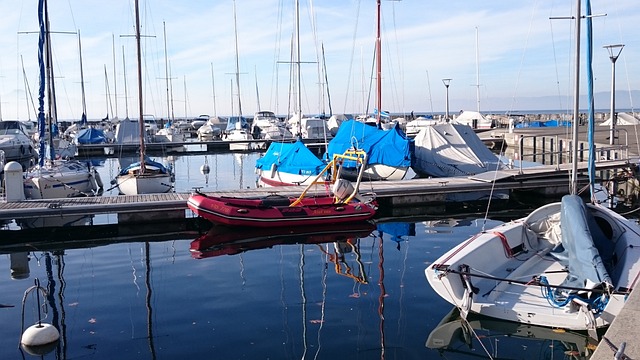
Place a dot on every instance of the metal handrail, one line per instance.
(623, 149)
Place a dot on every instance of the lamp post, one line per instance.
(614, 52)
(446, 83)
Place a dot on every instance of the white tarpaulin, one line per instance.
(445, 150)
(623, 119)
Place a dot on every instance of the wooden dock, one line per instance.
(391, 195)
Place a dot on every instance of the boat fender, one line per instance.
(97, 178)
(274, 168)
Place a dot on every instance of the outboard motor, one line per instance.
(342, 189)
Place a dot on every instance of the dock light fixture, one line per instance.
(446, 83)
(614, 52)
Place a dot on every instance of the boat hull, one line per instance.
(60, 181)
(502, 260)
(135, 184)
(275, 211)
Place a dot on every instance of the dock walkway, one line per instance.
(390, 194)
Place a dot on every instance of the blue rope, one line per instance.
(597, 304)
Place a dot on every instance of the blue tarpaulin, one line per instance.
(389, 147)
(91, 136)
(292, 158)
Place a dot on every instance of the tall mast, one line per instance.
(213, 88)
(477, 73)
(576, 104)
(166, 68)
(378, 68)
(126, 93)
(115, 81)
(140, 101)
(299, 81)
(84, 102)
(235, 27)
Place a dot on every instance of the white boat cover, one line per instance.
(445, 150)
(623, 119)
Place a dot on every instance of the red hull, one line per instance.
(274, 211)
(222, 240)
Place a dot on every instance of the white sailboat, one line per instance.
(566, 265)
(53, 178)
(389, 150)
(145, 176)
(237, 128)
(285, 163)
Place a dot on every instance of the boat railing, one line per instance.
(556, 149)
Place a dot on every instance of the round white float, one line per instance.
(38, 335)
(204, 169)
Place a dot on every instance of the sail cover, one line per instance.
(292, 158)
(444, 150)
(586, 249)
(91, 136)
(389, 147)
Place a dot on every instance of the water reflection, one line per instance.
(503, 339)
(222, 240)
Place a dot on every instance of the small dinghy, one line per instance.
(344, 204)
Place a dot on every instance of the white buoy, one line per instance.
(39, 335)
(204, 169)
(39, 338)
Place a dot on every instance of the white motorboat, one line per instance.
(15, 142)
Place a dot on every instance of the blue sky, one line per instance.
(525, 59)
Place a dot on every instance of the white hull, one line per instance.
(279, 178)
(61, 180)
(518, 251)
(377, 172)
(236, 135)
(135, 184)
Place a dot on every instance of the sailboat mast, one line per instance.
(166, 68)
(126, 93)
(50, 88)
(477, 73)
(83, 119)
(213, 88)
(576, 104)
(115, 81)
(298, 76)
(235, 27)
(378, 68)
(140, 106)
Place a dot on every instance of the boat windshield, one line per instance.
(10, 128)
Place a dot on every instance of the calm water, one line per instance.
(355, 292)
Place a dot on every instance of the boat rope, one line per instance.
(505, 244)
(596, 304)
(535, 281)
(473, 331)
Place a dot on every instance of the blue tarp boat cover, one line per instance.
(389, 147)
(91, 136)
(292, 158)
(586, 248)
